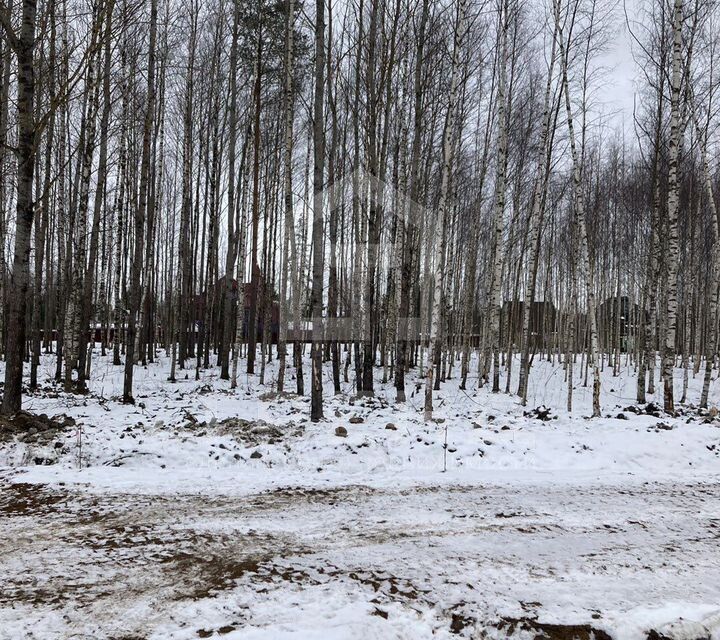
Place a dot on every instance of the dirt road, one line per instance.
(413, 563)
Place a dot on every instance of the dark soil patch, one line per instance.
(24, 499)
(214, 573)
(541, 413)
(29, 427)
(205, 576)
(654, 635)
(459, 622)
(547, 631)
(310, 495)
(390, 586)
(250, 432)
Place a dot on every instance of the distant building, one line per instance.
(630, 321)
(543, 317)
(215, 297)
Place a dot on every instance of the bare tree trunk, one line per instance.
(89, 280)
(711, 345)
(289, 257)
(499, 212)
(73, 321)
(448, 143)
(185, 261)
(334, 206)
(254, 265)
(4, 193)
(653, 262)
(316, 410)
(24, 46)
(145, 169)
(584, 263)
(232, 247)
(41, 229)
(672, 207)
(401, 359)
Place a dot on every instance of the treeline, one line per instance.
(400, 184)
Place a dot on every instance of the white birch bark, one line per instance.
(711, 344)
(499, 211)
(439, 232)
(672, 208)
(584, 266)
(288, 254)
(544, 159)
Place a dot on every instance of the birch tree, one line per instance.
(584, 264)
(23, 45)
(672, 208)
(460, 31)
(318, 264)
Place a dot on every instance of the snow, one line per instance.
(154, 521)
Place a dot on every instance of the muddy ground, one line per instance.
(473, 561)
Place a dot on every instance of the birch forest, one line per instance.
(375, 183)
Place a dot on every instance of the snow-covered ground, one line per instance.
(208, 512)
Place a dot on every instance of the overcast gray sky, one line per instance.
(617, 93)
